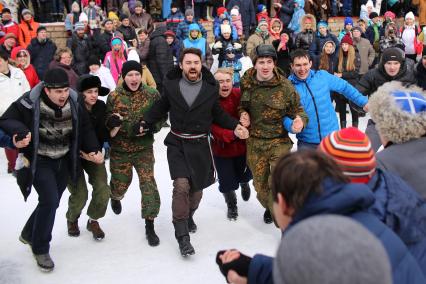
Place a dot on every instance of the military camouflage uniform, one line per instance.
(128, 150)
(267, 104)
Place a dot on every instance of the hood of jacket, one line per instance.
(275, 20)
(406, 66)
(15, 52)
(312, 18)
(336, 198)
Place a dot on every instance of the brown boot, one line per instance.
(93, 226)
(73, 230)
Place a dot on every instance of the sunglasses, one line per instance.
(21, 55)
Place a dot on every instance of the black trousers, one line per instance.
(50, 181)
(231, 172)
(341, 103)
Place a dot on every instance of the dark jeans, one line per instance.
(231, 172)
(306, 146)
(50, 181)
(341, 103)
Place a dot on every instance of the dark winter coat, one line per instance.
(129, 34)
(222, 51)
(160, 58)
(5, 140)
(143, 50)
(81, 50)
(286, 12)
(376, 77)
(318, 43)
(190, 157)
(403, 210)
(351, 77)
(353, 201)
(247, 12)
(41, 55)
(23, 116)
(97, 116)
(143, 20)
(369, 33)
(104, 43)
(225, 143)
(305, 39)
(283, 59)
(421, 75)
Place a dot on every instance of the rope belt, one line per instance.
(189, 136)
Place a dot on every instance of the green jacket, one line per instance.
(132, 106)
(268, 103)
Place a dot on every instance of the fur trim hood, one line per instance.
(393, 123)
(308, 16)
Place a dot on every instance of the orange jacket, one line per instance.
(28, 31)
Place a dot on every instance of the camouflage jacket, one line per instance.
(268, 103)
(132, 106)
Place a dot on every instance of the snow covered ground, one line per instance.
(124, 255)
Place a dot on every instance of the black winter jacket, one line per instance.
(41, 55)
(129, 34)
(305, 39)
(81, 50)
(104, 44)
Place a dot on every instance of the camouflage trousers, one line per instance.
(79, 193)
(121, 166)
(262, 156)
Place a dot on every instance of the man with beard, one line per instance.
(80, 46)
(42, 50)
(104, 39)
(190, 97)
(131, 144)
(141, 19)
(267, 98)
(392, 67)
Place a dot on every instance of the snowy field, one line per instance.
(124, 255)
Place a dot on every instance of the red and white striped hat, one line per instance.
(352, 151)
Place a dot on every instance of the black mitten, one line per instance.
(136, 129)
(239, 265)
(114, 121)
(146, 127)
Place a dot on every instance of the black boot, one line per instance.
(267, 217)
(245, 191)
(355, 123)
(192, 227)
(231, 202)
(182, 236)
(151, 236)
(342, 124)
(116, 206)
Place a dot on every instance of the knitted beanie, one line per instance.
(79, 26)
(189, 12)
(347, 39)
(351, 149)
(220, 11)
(130, 66)
(56, 78)
(409, 15)
(392, 54)
(225, 29)
(322, 24)
(349, 21)
(262, 22)
(83, 18)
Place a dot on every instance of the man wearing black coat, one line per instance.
(247, 12)
(160, 56)
(59, 128)
(81, 46)
(191, 98)
(104, 39)
(42, 51)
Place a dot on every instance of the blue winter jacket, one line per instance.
(353, 201)
(5, 140)
(403, 210)
(314, 95)
(183, 29)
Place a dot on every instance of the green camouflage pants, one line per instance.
(121, 166)
(78, 192)
(262, 155)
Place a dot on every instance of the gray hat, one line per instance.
(189, 12)
(26, 11)
(264, 50)
(79, 25)
(331, 249)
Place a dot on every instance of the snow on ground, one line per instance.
(124, 255)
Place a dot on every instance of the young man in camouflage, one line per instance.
(267, 97)
(131, 144)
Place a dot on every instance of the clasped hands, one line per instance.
(296, 127)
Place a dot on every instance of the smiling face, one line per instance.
(66, 58)
(328, 48)
(191, 66)
(225, 84)
(133, 80)
(265, 68)
(21, 57)
(58, 96)
(301, 67)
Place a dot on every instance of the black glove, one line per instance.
(239, 265)
(136, 127)
(24, 178)
(113, 121)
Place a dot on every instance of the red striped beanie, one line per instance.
(352, 151)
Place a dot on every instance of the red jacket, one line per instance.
(225, 144)
(28, 68)
(11, 27)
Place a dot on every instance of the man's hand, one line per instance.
(241, 132)
(21, 141)
(245, 119)
(297, 125)
(115, 121)
(96, 158)
(365, 108)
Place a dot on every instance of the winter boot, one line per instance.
(24, 240)
(116, 206)
(245, 191)
(267, 217)
(182, 236)
(342, 124)
(231, 202)
(73, 229)
(44, 262)
(93, 226)
(192, 227)
(150, 234)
